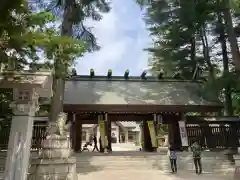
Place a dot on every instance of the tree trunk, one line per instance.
(59, 82)
(193, 53)
(206, 54)
(231, 35)
(227, 91)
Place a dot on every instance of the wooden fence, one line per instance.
(214, 135)
(39, 133)
(211, 135)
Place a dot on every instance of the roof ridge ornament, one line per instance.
(143, 75)
(126, 74)
(92, 73)
(109, 74)
(160, 74)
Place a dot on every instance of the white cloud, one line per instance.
(122, 36)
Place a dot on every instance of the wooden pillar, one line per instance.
(78, 135)
(177, 137)
(101, 139)
(234, 141)
(142, 136)
(174, 138)
(206, 140)
(109, 134)
(170, 133)
(147, 137)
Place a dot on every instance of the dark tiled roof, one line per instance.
(99, 90)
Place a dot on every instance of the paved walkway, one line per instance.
(147, 175)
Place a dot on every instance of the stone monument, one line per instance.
(27, 87)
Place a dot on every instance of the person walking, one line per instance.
(197, 150)
(95, 143)
(100, 145)
(173, 159)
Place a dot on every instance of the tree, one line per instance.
(73, 13)
(32, 36)
(231, 33)
(182, 43)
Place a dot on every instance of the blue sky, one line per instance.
(122, 36)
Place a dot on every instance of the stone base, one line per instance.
(55, 146)
(53, 169)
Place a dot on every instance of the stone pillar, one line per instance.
(126, 136)
(87, 136)
(71, 128)
(73, 141)
(117, 133)
(27, 87)
(140, 136)
(19, 146)
(101, 126)
(98, 132)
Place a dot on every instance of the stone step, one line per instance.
(143, 155)
(145, 161)
(166, 170)
(157, 165)
(140, 154)
(147, 158)
(156, 161)
(161, 161)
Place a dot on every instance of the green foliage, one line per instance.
(80, 11)
(191, 41)
(63, 50)
(28, 34)
(162, 130)
(236, 103)
(5, 100)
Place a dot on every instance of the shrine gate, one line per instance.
(152, 100)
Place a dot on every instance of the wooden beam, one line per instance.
(129, 117)
(145, 109)
(86, 121)
(86, 116)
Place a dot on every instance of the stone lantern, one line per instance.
(27, 88)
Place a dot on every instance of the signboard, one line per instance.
(183, 133)
(102, 131)
(152, 133)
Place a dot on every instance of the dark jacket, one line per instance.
(95, 140)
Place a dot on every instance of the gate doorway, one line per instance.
(117, 132)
